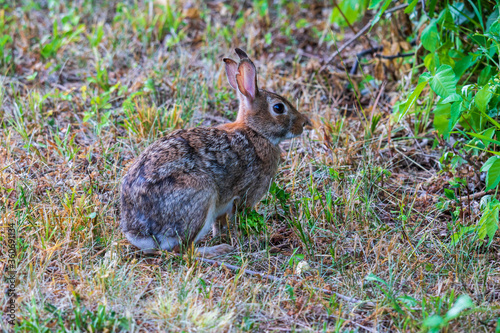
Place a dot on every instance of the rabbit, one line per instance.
(189, 181)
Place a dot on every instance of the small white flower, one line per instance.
(302, 266)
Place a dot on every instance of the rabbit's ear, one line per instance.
(246, 79)
(241, 53)
(231, 70)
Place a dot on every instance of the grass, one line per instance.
(360, 198)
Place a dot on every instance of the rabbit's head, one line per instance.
(267, 113)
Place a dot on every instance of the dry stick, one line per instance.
(475, 195)
(377, 100)
(359, 34)
(399, 55)
(277, 279)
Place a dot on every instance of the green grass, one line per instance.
(91, 85)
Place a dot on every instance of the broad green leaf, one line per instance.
(484, 76)
(442, 119)
(493, 175)
(463, 302)
(455, 112)
(491, 19)
(485, 201)
(450, 194)
(425, 77)
(430, 37)
(482, 98)
(374, 4)
(488, 224)
(430, 62)
(444, 82)
(462, 65)
(453, 98)
(486, 166)
(434, 321)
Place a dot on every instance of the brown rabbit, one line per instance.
(181, 184)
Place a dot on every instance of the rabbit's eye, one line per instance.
(279, 108)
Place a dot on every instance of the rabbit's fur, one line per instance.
(181, 184)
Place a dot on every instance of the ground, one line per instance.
(357, 208)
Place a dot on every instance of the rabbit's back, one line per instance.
(188, 168)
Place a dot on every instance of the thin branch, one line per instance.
(475, 195)
(373, 51)
(359, 34)
(277, 279)
(399, 55)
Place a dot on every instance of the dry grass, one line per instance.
(355, 198)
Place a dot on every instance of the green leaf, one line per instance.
(462, 65)
(453, 98)
(482, 98)
(377, 17)
(430, 37)
(493, 121)
(32, 76)
(411, 7)
(442, 114)
(491, 19)
(430, 62)
(444, 82)
(373, 277)
(434, 321)
(413, 97)
(408, 300)
(374, 4)
(456, 237)
(455, 112)
(487, 165)
(486, 137)
(463, 302)
(493, 175)
(489, 226)
(425, 77)
(450, 194)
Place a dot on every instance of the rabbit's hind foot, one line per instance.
(214, 251)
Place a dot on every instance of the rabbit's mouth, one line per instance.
(291, 135)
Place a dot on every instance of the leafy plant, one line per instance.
(60, 37)
(437, 322)
(463, 83)
(251, 222)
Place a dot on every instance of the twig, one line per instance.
(359, 34)
(362, 54)
(277, 279)
(373, 51)
(382, 88)
(145, 290)
(475, 195)
(399, 55)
